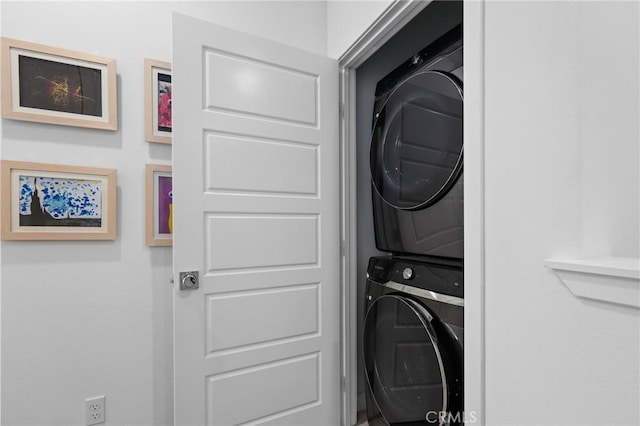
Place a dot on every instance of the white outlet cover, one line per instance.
(94, 410)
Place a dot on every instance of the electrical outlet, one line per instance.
(94, 410)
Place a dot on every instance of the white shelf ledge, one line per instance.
(608, 279)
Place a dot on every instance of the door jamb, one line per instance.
(392, 19)
(398, 14)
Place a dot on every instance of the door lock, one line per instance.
(189, 280)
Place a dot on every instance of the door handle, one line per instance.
(189, 280)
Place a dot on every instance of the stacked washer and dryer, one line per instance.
(414, 304)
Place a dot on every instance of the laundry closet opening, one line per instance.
(436, 30)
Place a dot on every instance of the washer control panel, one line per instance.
(441, 278)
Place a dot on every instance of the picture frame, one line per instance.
(58, 86)
(157, 86)
(158, 205)
(56, 202)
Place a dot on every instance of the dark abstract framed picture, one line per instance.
(159, 205)
(158, 123)
(57, 202)
(58, 86)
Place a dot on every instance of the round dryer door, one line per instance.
(417, 144)
(410, 372)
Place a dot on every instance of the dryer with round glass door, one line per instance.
(416, 153)
(413, 342)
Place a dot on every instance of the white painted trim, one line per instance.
(620, 267)
(348, 229)
(474, 213)
(396, 16)
(607, 279)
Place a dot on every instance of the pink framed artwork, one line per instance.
(158, 91)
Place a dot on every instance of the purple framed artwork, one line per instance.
(164, 195)
(159, 205)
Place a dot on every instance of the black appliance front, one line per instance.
(413, 343)
(416, 155)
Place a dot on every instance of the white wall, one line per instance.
(81, 319)
(347, 20)
(609, 128)
(561, 167)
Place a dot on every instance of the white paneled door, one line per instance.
(256, 213)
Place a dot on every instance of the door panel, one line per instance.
(268, 166)
(255, 86)
(300, 302)
(256, 190)
(257, 241)
(296, 381)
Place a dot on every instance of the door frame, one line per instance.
(396, 16)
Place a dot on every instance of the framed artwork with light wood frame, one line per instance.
(157, 104)
(159, 205)
(56, 202)
(58, 86)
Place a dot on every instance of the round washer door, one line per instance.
(405, 370)
(417, 142)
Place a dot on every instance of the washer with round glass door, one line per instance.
(413, 342)
(416, 153)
